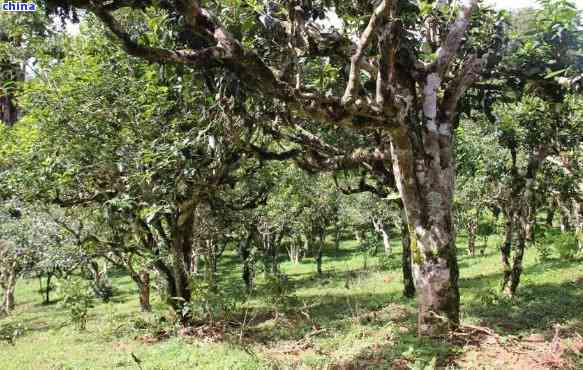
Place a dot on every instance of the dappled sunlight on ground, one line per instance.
(351, 317)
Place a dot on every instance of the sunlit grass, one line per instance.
(350, 315)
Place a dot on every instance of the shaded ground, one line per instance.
(350, 318)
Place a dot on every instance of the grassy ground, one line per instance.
(351, 318)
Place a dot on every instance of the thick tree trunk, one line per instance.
(408, 281)
(171, 292)
(426, 184)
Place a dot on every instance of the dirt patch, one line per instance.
(486, 349)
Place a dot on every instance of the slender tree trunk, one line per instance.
(506, 248)
(382, 229)
(295, 250)
(48, 289)
(578, 223)
(195, 258)
(319, 261)
(337, 235)
(522, 199)
(408, 281)
(320, 251)
(271, 251)
(275, 253)
(145, 291)
(550, 216)
(245, 253)
(358, 236)
(530, 225)
(194, 263)
(472, 229)
(211, 265)
(9, 287)
(516, 270)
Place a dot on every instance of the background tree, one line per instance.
(540, 120)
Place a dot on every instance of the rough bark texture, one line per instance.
(426, 189)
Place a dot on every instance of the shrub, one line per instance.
(9, 332)
(103, 289)
(543, 250)
(77, 298)
(211, 304)
(277, 289)
(387, 262)
(566, 245)
(563, 243)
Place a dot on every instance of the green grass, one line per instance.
(368, 325)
